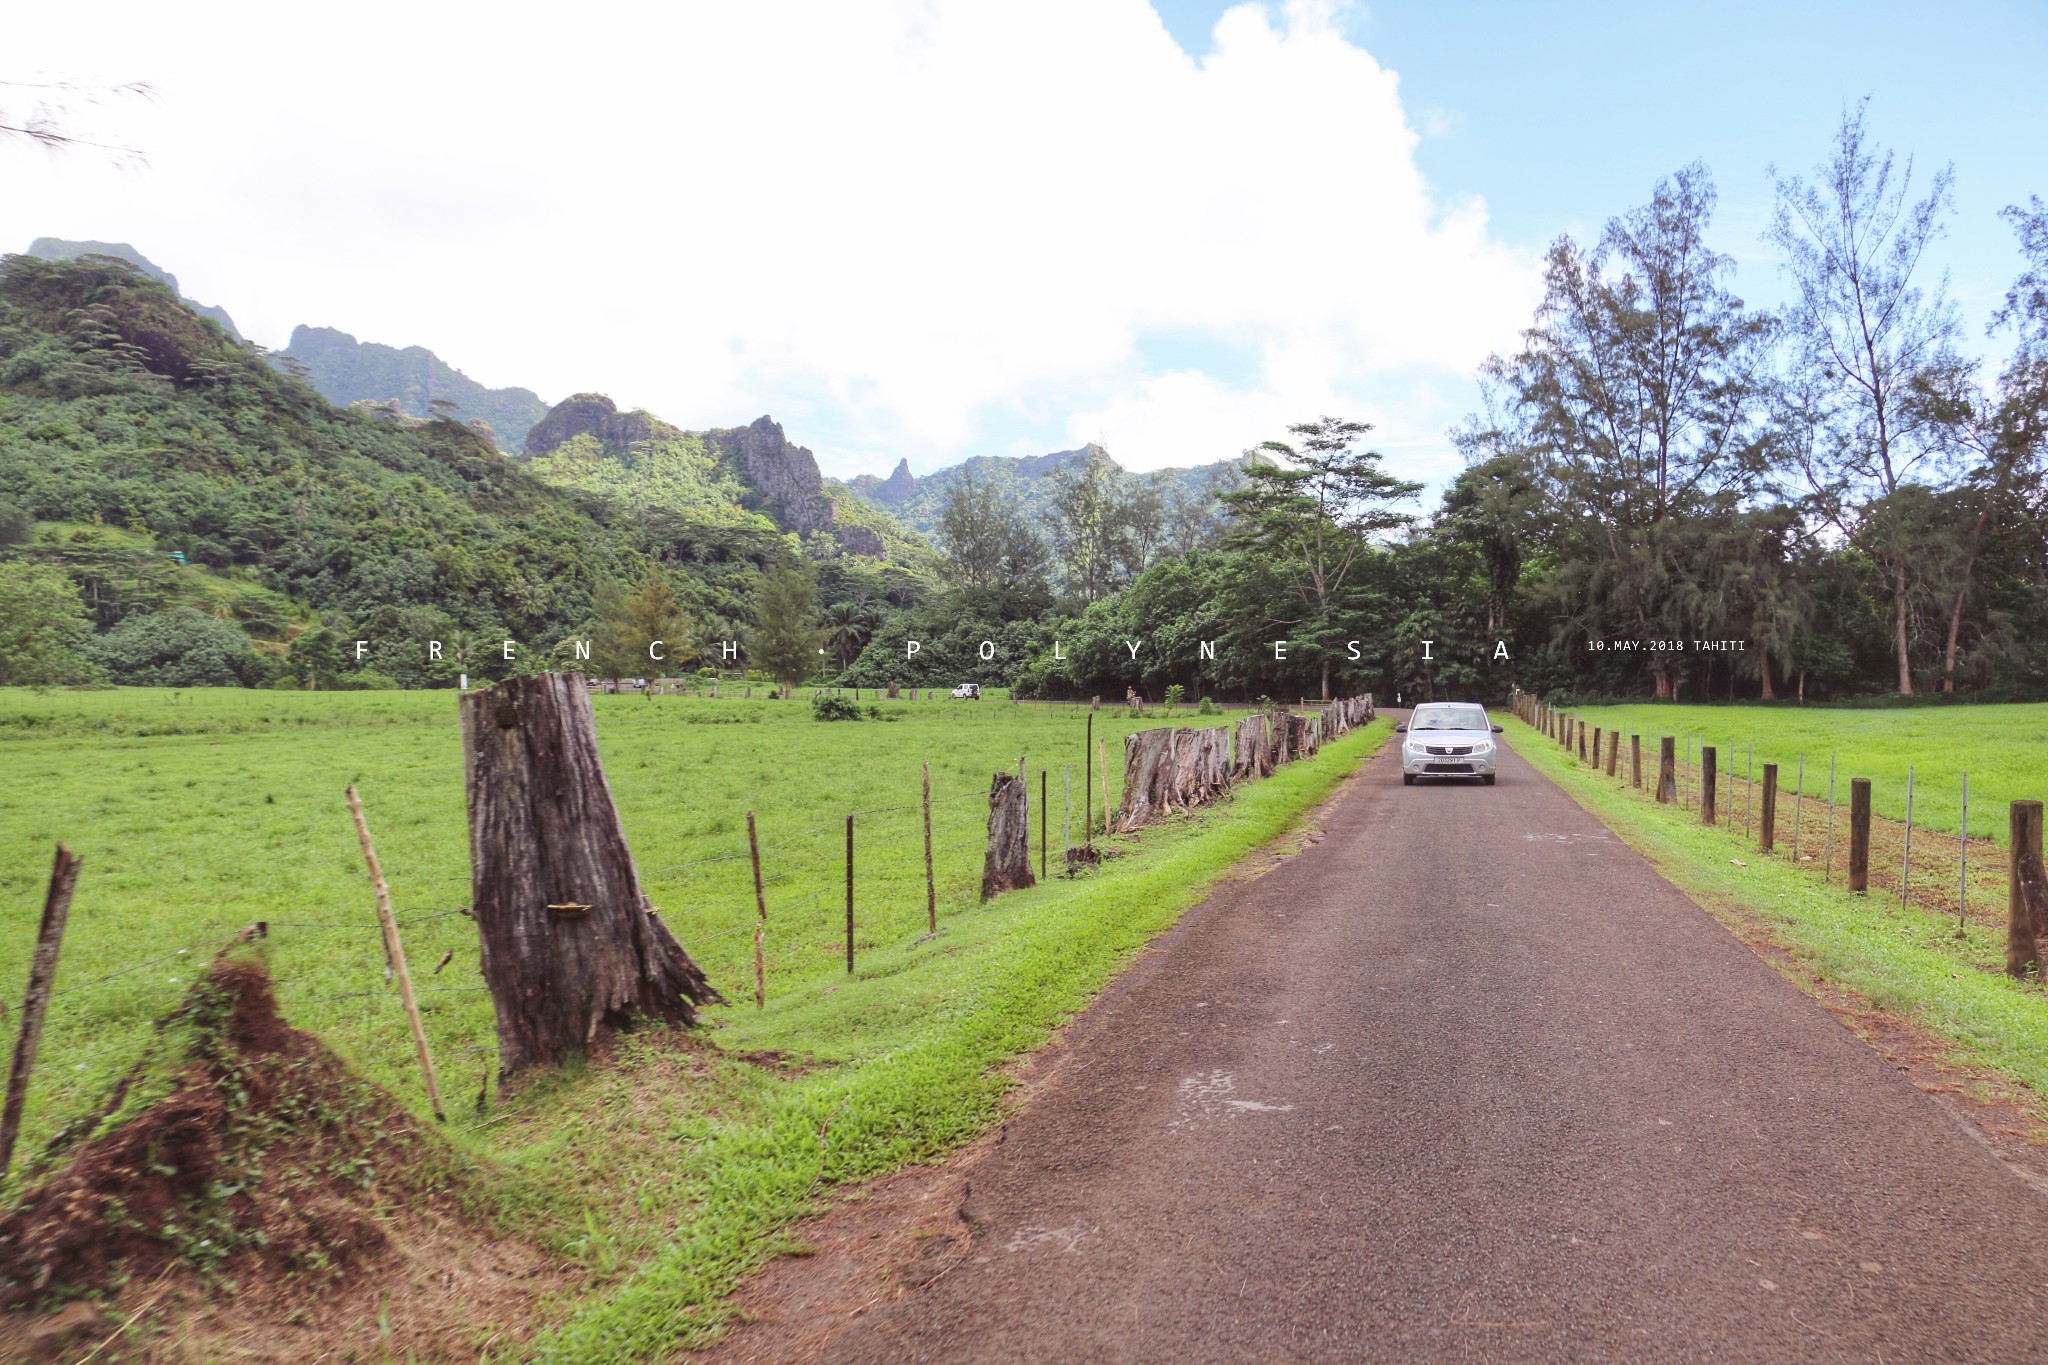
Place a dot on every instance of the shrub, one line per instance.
(1207, 708)
(179, 648)
(837, 708)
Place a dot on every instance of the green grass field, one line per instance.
(201, 812)
(665, 1175)
(2004, 749)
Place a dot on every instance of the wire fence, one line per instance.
(911, 865)
(1944, 871)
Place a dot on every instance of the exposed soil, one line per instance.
(267, 1205)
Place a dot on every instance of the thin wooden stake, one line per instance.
(1044, 780)
(1087, 789)
(849, 895)
(760, 916)
(931, 885)
(1906, 862)
(1102, 756)
(1798, 804)
(42, 971)
(395, 952)
(1963, 862)
(1827, 867)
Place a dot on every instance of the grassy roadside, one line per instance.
(1902, 960)
(686, 1195)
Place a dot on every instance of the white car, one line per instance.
(967, 692)
(1448, 739)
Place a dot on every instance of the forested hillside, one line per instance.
(174, 510)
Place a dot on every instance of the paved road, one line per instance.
(1468, 1081)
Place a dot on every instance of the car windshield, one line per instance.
(1448, 718)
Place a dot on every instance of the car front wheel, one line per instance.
(1487, 779)
(1407, 779)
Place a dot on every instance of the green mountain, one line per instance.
(918, 503)
(347, 371)
(221, 521)
(58, 249)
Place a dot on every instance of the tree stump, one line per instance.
(1261, 740)
(570, 944)
(1007, 864)
(1166, 769)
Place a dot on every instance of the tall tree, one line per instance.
(1638, 398)
(788, 635)
(1310, 522)
(633, 620)
(1867, 334)
(1090, 517)
(1998, 432)
(988, 544)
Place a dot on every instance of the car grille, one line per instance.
(1449, 749)
(1447, 767)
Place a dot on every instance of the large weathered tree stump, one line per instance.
(570, 944)
(1260, 741)
(1168, 769)
(1007, 864)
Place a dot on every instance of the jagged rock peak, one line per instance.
(593, 414)
(786, 475)
(899, 487)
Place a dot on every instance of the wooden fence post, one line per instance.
(42, 971)
(1667, 769)
(1709, 758)
(1613, 750)
(931, 885)
(1635, 760)
(394, 953)
(849, 895)
(1859, 834)
(760, 917)
(1044, 805)
(2026, 891)
(1767, 818)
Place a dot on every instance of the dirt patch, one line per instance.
(242, 1194)
(886, 1239)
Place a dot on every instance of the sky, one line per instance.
(930, 229)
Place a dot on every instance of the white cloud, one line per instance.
(930, 228)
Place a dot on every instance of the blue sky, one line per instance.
(932, 229)
(1560, 115)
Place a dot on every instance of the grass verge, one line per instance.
(1903, 960)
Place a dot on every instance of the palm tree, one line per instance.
(849, 626)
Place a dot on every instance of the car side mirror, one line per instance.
(1401, 729)
(1496, 729)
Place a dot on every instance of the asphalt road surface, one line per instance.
(1467, 1080)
